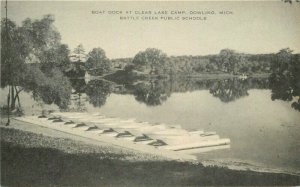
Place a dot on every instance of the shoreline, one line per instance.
(63, 143)
(54, 133)
(227, 76)
(243, 166)
(121, 74)
(49, 133)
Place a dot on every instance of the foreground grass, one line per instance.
(23, 165)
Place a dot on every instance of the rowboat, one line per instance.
(198, 145)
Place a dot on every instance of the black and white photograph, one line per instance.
(150, 93)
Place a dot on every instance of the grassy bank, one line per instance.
(29, 159)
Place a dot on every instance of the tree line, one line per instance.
(156, 62)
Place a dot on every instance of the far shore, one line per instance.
(32, 156)
(121, 76)
(226, 75)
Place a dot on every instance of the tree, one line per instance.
(43, 44)
(149, 60)
(98, 63)
(285, 77)
(56, 57)
(79, 53)
(52, 87)
(34, 48)
(290, 1)
(12, 53)
(41, 34)
(211, 67)
(282, 61)
(228, 60)
(77, 67)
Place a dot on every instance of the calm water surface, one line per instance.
(264, 133)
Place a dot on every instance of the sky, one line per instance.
(253, 26)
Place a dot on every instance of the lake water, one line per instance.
(264, 133)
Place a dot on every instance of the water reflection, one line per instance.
(95, 92)
(286, 87)
(155, 92)
(78, 85)
(229, 90)
(98, 91)
(152, 93)
(78, 96)
(285, 77)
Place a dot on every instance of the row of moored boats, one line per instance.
(162, 136)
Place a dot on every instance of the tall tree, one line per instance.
(285, 77)
(150, 60)
(12, 53)
(228, 60)
(30, 48)
(98, 63)
(79, 53)
(282, 60)
(43, 43)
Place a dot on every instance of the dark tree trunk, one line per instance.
(17, 96)
(8, 109)
(13, 99)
